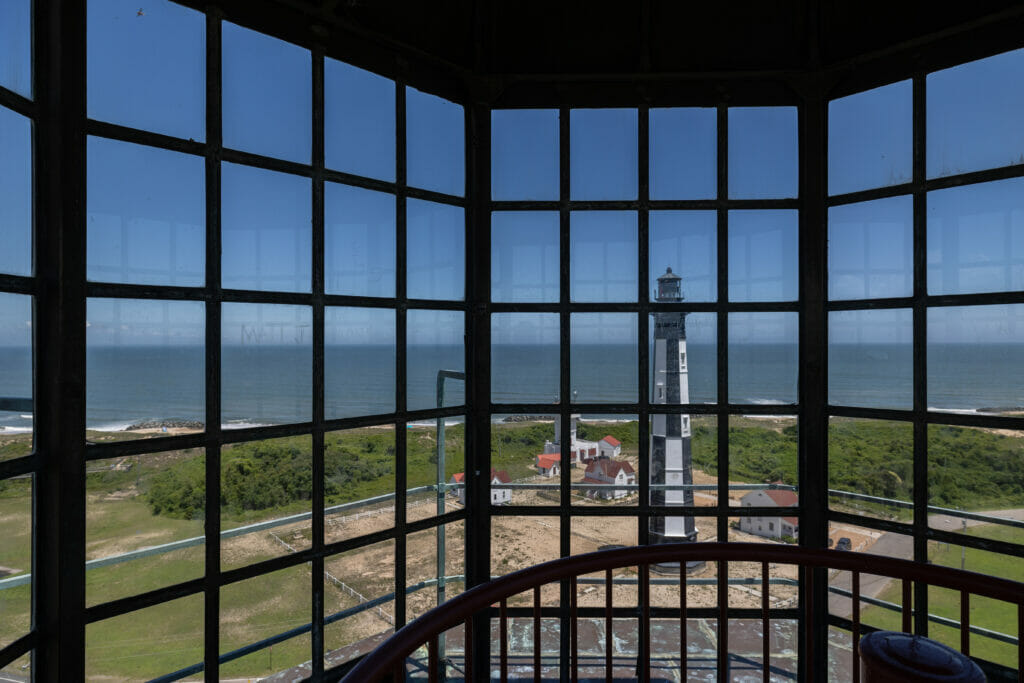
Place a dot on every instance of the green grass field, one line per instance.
(986, 613)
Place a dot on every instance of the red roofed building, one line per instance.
(609, 447)
(771, 527)
(499, 495)
(605, 473)
(548, 465)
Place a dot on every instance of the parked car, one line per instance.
(844, 544)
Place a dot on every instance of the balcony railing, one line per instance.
(391, 658)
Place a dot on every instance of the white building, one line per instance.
(499, 495)
(607, 472)
(770, 527)
(580, 450)
(548, 464)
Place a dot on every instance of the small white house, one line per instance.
(606, 473)
(770, 527)
(609, 447)
(548, 464)
(499, 494)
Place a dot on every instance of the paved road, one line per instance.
(900, 546)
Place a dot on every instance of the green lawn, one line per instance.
(990, 614)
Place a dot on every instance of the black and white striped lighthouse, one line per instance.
(671, 458)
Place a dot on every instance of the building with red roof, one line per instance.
(499, 495)
(771, 527)
(606, 473)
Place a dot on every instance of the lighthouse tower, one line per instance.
(671, 458)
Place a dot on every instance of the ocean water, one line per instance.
(272, 384)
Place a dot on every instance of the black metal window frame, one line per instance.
(74, 615)
(920, 302)
(60, 290)
(643, 308)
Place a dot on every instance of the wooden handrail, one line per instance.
(392, 653)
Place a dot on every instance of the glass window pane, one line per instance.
(173, 640)
(518, 443)
(435, 566)
(435, 342)
(524, 154)
(698, 357)
(247, 616)
(430, 469)
(359, 121)
(763, 357)
(524, 256)
(870, 358)
(683, 487)
(146, 215)
(604, 470)
(976, 469)
(275, 79)
(144, 502)
(524, 358)
(871, 467)
(145, 362)
(686, 242)
(602, 255)
(435, 143)
(147, 66)
(16, 46)
(15, 193)
(870, 139)
(435, 250)
(871, 250)
(986, 614)
(16, 559)
(359, 482)
(684, 153)
(16, 374)
(359, 238)
(603, 358)
(763, 255)
(975, 355)
(603, 149)
(521, 542)
(976, 238)
(763, 450)
(266, 228)
(369, 572)
(266, 367)
(973, 120)
(359, 361)
(265, 482)
(762, 152)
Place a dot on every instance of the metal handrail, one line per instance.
(390, 656)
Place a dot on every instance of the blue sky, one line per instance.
(146, 207)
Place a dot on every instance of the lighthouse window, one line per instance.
(602, 248)
(983, 135)
(976, 238)
(762, 152)
(682, 360)
(16, 179)
(686, 242)
(870, 139)
(603, 154)
(871, 250)
(763, 263)
(661, 393)
(870, 358)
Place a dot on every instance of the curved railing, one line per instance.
(389, 659)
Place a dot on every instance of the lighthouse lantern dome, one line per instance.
(670, 286)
